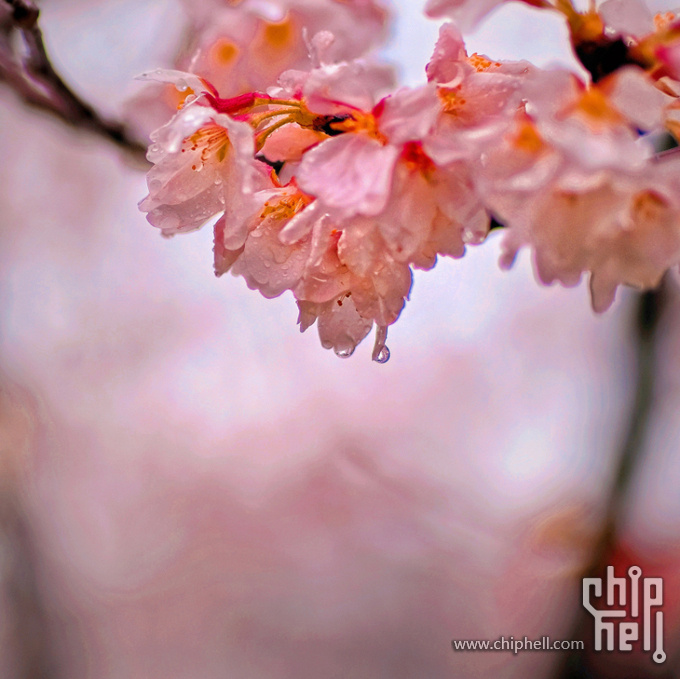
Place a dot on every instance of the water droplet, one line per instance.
(343, 352)
(472, 237)
(218, 181)
(383, 356)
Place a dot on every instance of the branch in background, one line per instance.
(28, 641)
(26, 644)
(35, 80)
(650, 309)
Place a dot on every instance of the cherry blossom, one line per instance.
(575, 183)
(478, 98)
(203, 164)
(245, 46)
(332, 185)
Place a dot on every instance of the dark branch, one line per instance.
(650, 308)
(39, 85)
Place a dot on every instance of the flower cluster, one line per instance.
(329, 183)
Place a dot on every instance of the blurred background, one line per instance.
(190, 488)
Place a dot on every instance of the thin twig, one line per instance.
(39, 85)
(649, 312)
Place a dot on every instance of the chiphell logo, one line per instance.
(632, 614)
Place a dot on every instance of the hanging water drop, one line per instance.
(344, 351)
(383, 356)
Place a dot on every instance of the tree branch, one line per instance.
(651, 306)
(35, 80)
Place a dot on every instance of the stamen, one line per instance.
(257, 120)
(261, 138)
(284, 102)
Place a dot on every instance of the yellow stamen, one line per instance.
(212, 140)
(481, 63)
(281, 102)
(361, 121)
(585, 27)
(257, 120)
(595, 105)
(451, 98)
(416, 160)
(261, 138)
(646, 207)
(663, 20)
(527, 138)
(287, 207)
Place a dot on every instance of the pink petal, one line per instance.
(350, 174)
(445, 65)
(224, 259)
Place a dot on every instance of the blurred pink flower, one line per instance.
(583, 214)
(466, 14)
(245, 46)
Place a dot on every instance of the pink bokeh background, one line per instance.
(208, 493)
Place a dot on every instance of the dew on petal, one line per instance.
(472, 237)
